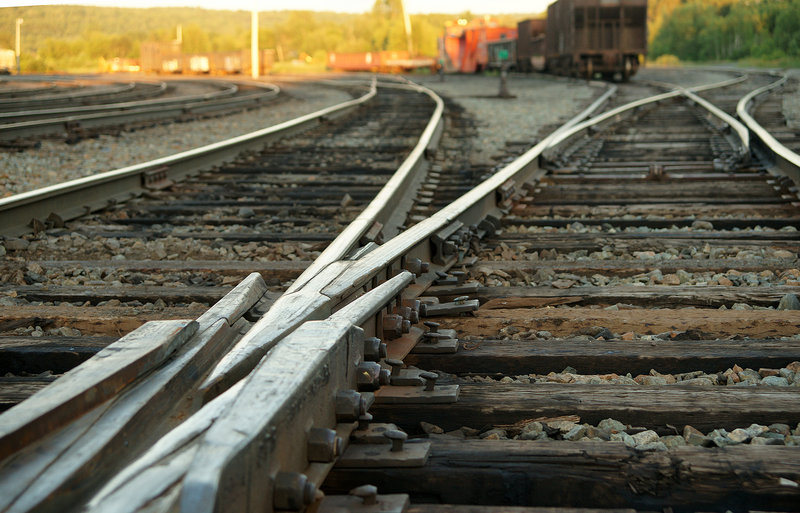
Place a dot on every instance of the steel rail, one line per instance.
(118, 91)
(313, 299)
(83, 195)
(226, 89)
(146, 112)
(787, 162)
(612, 115)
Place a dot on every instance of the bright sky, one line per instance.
(413, 6)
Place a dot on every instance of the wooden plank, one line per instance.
(237, 302)
(705, 408)
(14, 390)
(569, 321)
(651, 295)
(520, 357)
(592, 475)
(144, 293)
(98, 320)
(273, 272)
(634, 267)
(35, 355)
(92, 383)
(700, 210)
(470, 508)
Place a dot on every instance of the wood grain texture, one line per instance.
(517, 357)
(591, 475)
(706, 408)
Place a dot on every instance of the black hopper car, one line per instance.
(582, 38)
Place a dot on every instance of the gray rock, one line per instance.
(694, 437)
(533, 427)
(756, 429)
(613, 426)
(569, 370)
(654, 380)
(494, 434)
(702, 225)
(431, 428)
(792, 440)
(575, 433)
(247, 212)
(775, 381)
(739, 435)
(2, 250)
(789, 302)
(544, 334)
(673, 441)
(703, 382)
(532, 435)
(623, 437)
(645, 437)
(651, 447)
(563, 426)
(787, 373)
(781, 428)
(15, 244)
(766, 441)
(596, 432)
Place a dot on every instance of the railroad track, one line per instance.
(642, 248)
(20, 128)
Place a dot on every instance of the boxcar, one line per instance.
(530, 45)
(384, 61)
(585, 37)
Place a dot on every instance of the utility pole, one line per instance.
(17, 53)
(254, 66)
(407, 22)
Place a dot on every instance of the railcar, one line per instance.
(384, 61)
(585, 37)
(530, 45)
(465, 45)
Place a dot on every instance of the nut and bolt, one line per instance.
(323, 445)
(461, 300)
(367, 493)
(292, 491)
(416, 266)
(368, 376)
(430, 380)
(350, 405)
(374, 349)
(396, 366)
(393, 326)
(397, 437)
(414, 304)
(432, 326)
(364, 420)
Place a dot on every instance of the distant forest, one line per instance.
(726, 30)
(75, 38)
(60, 38)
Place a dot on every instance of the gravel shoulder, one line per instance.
(540, 103)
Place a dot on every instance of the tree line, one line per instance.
(74, 38)
(727, 30)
